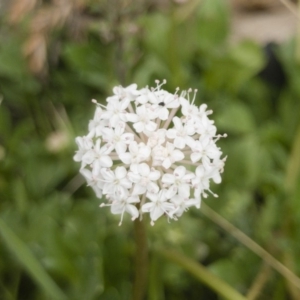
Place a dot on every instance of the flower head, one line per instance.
(150, 151)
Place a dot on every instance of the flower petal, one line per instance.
(168, 178)
(120, 147)
(139, 189)
(154, 174)
(177, 155)
(179, 142)
(125, 157)
(144, 169)
(155, 213)
(179, 172)
(132, 210)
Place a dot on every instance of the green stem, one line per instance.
(251, 244)
(141, 262)
(259, 282)
(289, 226)
(203, 274)
(293, 167)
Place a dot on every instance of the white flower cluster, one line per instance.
(144, 159)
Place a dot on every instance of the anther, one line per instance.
(195, 93)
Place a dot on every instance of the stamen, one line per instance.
(158, 85)
(182, 94)
(195, 93)
(122, 216)
(188, 94)
(217, 137)
(104, 204)
(98, 104)
(215, 195)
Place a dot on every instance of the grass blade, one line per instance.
(203, 274)
(29, 262)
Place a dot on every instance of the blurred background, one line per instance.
(56, 55)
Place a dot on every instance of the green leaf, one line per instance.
(248, 55)
(236, 118)
(29, 262)
(213, 25)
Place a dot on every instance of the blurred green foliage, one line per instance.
(54, 238)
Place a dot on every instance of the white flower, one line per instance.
(181, 133)
(138, 152)
(205, 149)
(157, 137)
(94, 180)
(119, 206)
(166, 156)
(116, 111)
(96, 125)
(158, 206)
(84, 144)
(205, 127)
(129, 92)
(117, 137)
(150, 151)
(162, 101)
(115, 183)
(182, 204)
(99, 156)
(142, 119)
(179, 181)
(144, 178)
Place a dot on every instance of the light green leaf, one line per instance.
(236, 118)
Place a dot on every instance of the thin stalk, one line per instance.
(141, 260)
(130, 108)
(114, 157)
(290, 184)
(129, 129)
(252, 245)
(158, 121)
(170, 118)
(143, 137)
(291, 7)
(259, 282)
(141, 205)
(187, 162)
(187, 152)
(293, 166)
(297, 56)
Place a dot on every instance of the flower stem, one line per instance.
(141, 262)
